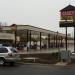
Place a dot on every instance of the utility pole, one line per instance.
(14, 28)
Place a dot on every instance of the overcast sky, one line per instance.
(39, 13)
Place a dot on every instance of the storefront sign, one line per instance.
(67, 13)
(67, 16)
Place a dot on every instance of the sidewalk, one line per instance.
(64, 64)
(60, 64)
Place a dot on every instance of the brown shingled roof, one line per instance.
(68, 8)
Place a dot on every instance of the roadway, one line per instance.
(36, 69)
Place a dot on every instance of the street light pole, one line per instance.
(66, 39)
(74, 39)
(15, 38)
(58, 46)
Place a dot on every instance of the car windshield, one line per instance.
(14, 50)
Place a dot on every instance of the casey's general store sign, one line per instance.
(68, 15)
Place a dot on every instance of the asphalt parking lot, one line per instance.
(36, 69)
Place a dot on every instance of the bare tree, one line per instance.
(2, 24)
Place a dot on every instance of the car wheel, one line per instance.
(2, 61)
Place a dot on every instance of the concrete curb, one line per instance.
(54, 65)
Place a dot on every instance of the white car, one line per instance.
(8, 55)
